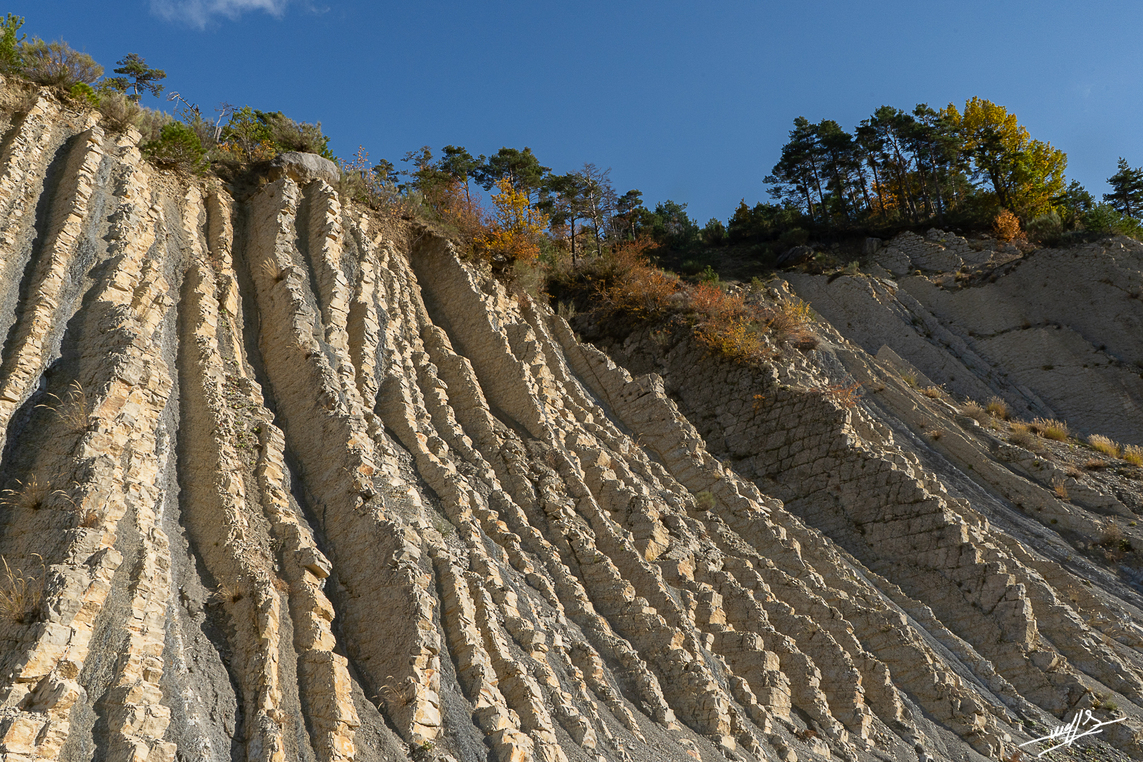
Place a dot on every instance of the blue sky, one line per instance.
(690, 101)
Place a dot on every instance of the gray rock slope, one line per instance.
(281, 483)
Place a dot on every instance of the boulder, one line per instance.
(796, 256)
(305, 167)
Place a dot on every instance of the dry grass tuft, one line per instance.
(932, 392)
(998, 408)
(1095, 464)
(705, 501)
(27, 495)
(1060, 487)
(729, 326)
(1049, 428)
(1021, 434)
(270, 269)
(398, 694)
(1104, 445)
(21, 594)
(1133, 454)
(224, 594)
(1113, 541)
(71, 408)
(974, 411)
(790, 322)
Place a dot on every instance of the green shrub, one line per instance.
(177, 147)
(1047, 229)
(705, 501)
(55, 63)
(1104, 219)
(85, 92)
(252, 136)
(119, 110)
(150, 123)
(289, 135)
(121, 113)
(794, 237)
(714, 234)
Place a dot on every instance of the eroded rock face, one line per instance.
(1055, 333)
(283, 485)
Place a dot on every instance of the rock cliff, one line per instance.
(283, 483)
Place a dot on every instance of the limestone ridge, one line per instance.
(280, 484)
(1055, 333)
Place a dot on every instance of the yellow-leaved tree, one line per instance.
(516, 228)
(1025, 173)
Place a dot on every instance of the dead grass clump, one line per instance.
(846, 396)
(1095, 464)
(735, 339)
(223, 594)
(704, 500)
(1021, 435)
(1114, 543)
(1133, 454)
(398, 693)
(932, 392)
(21, 594)
(790, 322)
(26, 495)
(1050, 428)
(998, 408)
(1060, 487)
(974, 411)
(1104, 445)
(71, 408)
(270, 269)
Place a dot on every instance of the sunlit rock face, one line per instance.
(283, 482)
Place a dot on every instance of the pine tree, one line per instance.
(1126, 189)
(11, 61)
(142, 78)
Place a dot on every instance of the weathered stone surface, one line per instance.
(284, 482)
(795, 256)
(306, 167)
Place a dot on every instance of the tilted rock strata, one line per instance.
(1055, 333)
(283, 485)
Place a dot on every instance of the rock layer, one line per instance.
(282, 484)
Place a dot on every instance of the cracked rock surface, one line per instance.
(283, 483)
